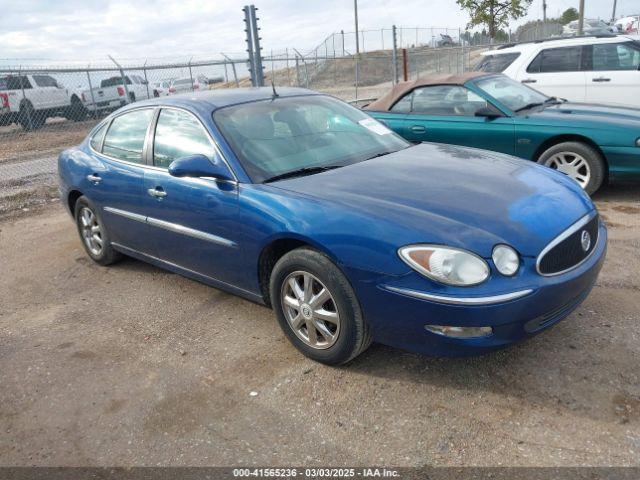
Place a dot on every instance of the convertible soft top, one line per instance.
(385, 102)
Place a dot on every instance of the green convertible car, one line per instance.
(590, 143)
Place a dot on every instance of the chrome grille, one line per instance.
(567, 251)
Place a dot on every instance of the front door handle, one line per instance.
(157, 192)
(94, 178)
(601, 79)
(418, 129)
(529, 80)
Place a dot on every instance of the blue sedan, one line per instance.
(303, 203)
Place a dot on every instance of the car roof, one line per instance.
(557, 42)
(385, 102)
(214, 99)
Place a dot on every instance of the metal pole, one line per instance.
(382, 37)
(306, 70)
(226, 76)
(191, 74)
(297, 71)
(343, 51)
(93, 98)
(581, 18)
(613, 14)
(288, 73)
(249, 40)
(544, 11)
(394, 54)
(146, 81)
(355, 11)
(405, 65)
(233, 67)
(461, 47)
(273, 69)
(24, 95)
(124, 80)
(257, 56)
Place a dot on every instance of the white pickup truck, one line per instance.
(112, 94)
(29, 100)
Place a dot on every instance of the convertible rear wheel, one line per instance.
(93, 234)
(317, 308)
(578, 161)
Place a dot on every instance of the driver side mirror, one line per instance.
(197, 166)
(489, 111)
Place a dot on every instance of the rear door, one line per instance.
(557, 72)
(194, 220)
(446, 114)
(613, 76)
(115, 178)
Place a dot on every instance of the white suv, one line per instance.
(599, 69)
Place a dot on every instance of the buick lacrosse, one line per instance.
(350, 233)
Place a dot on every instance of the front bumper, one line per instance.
(398, 319)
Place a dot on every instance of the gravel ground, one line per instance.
(131, 365)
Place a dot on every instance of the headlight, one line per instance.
(446, 264)
(506, 260)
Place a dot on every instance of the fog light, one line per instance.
(459, 332)
(506, 260)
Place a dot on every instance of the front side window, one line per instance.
(513, 94)
(44, 81)
(564, 59)
(616, 56)
(281, 136)
(446, 100)
(125, 138)
(496, 63)
(179, 134)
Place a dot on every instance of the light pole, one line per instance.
(581, 18)
(355, 11)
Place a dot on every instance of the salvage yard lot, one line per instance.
(132, 365)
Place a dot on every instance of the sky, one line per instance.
(73, 31)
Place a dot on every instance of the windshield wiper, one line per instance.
(529, 105)
(301, 172)
(555, 100)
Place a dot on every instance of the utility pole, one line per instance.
(355, 11)
(544, 11)
(581, 18)
(613, 15)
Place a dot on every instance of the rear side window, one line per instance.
(96, 140)
(564, 59)
(403, 105)
(14, 83)
(125, 138)
(615, 56)
(496, 63)
(179, 134)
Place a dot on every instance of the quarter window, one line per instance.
(565, 59)
(125, 138)
(615, 56)
(446, 100)
(179, 134)
(96, 140)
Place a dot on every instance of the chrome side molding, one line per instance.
(172, 227)
(449, 300)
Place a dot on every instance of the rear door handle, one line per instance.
(418, 129)
(529, 80)
(157, 192)
(94, 178)
(601, 79)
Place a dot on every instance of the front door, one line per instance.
(446, 114)
(194, 220)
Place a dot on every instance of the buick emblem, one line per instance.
(585, 240)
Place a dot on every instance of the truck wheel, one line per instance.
(132, 97)
(76, 111)
(29, 118)
(156, 93)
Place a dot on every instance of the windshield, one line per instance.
(511, 93)
(275, 137)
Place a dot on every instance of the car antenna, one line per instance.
(273, 87)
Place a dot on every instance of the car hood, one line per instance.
(590, 113)
(462, 197)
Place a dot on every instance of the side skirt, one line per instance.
(185, 272)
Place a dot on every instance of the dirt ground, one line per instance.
(132, 365)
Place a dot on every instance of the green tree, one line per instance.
(494, 14)
(569, 15)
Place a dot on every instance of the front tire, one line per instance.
(94, 235)
(316, 307)
(76, 111)
(577, 160)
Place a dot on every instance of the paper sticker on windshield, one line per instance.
(374, 126)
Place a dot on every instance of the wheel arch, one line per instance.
(274, 250)
(72, 199)
(555, 140)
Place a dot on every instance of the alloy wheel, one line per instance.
(91, 232)
(310, 310)
(571, 164)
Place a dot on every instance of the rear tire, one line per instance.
(93, 234)
(321, 318)
(579, 161)
(76, 111)
(29, 118)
